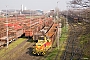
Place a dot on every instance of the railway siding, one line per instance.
(5, 51)
(73, 49)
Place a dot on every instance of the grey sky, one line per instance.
(33, 4)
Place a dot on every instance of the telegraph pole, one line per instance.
(30, 19)
(58, 27)
(7, 27)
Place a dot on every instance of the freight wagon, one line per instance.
(16, 27)
(14, 31)
(37, 25)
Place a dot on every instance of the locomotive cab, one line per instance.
(43, 39)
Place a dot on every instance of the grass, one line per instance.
(11, 46)
(54, 51)
(16, 53)
(84, 38)
(52, 55)
(85, 43)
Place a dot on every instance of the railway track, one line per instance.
(26, 53)
(22, 52)
(72, 49)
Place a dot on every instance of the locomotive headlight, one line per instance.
(36, 48)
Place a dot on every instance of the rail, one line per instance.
(73, 50)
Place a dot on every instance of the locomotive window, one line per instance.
(39, 45)
(41, 38)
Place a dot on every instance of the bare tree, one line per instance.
(80, 3)
(82, 8)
